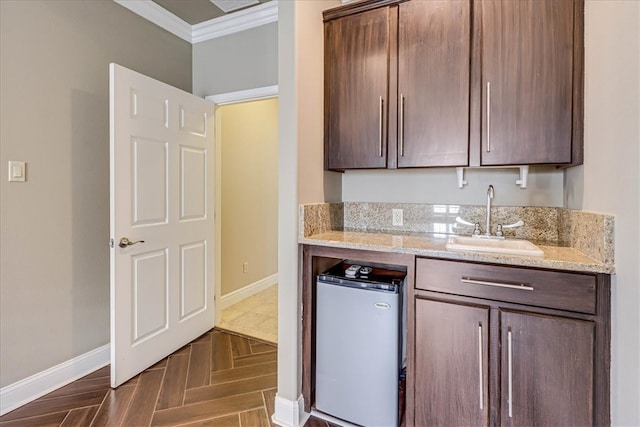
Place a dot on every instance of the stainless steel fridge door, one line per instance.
(357, 354)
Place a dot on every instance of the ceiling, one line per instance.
(199, 20)
(198, 11)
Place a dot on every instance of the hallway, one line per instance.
(256, 316)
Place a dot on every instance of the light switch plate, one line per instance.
(17, 171)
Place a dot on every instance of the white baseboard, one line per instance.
(289, 413)
(24, 391)
(240, 294)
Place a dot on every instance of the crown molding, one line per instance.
(237, 21)
(160, 16)
(244, 95)
(218, 27)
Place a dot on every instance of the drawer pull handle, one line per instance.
(521, 287)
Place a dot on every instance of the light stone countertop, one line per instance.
(429, 245)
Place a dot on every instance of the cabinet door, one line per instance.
(356, 76)
(451, 364)
(547, 370)
(527, 72)
(434, 43)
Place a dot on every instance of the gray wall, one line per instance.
(440, 185)
(301, 176)
(54, 114)
(609, 181)
(244, 60)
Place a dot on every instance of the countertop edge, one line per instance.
(585, 265)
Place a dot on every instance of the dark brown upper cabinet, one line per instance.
(356, 90)
(411, 83)
(397, 85)
(531, 73)
(434, 48)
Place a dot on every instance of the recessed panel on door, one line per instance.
(150, 172)
(150, 287)
(194, 122)
(193, 162)
(150, 108)
(546, 361)
(434, 47)
(193, 278)
(527, 81)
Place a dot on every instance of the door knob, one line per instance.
(125, 242)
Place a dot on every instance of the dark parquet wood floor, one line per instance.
(220, 379)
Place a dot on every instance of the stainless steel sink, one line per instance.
(505, 246)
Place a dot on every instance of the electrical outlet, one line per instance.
(397, 217)
(245, 267)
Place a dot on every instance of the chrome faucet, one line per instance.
(487, 231)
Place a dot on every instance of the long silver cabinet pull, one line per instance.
(510, 374)
(401, 130)
(380, 127)
(480, 366)
(488, 117)
(521, 286)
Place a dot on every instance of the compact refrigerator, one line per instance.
(359, 342)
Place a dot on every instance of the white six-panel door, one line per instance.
(162, 196)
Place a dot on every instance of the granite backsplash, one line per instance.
(590, 233)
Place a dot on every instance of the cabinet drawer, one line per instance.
(551, 289)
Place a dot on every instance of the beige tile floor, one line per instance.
(256, 316)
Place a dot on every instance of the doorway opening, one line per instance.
(246, 141)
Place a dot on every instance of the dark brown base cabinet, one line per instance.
(489, 345)
(497, 345)
(451, 364)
